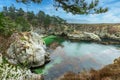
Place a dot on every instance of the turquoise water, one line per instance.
(79, 56)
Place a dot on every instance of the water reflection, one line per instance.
(76, 57)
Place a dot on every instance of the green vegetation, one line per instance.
(27, 1)
(17, 20)
(74, 6)
(7, 26)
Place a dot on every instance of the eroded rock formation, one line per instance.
(84, 36)
(27, 49)
(104, 33)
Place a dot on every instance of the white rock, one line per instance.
(27, 50)
(84, 36)
(0, 58)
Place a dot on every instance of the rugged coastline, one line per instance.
(26, 44)
(101, 33)
(109, 72)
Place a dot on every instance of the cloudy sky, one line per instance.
(112, 16)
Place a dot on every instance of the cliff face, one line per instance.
(100, 29)
(109, 32)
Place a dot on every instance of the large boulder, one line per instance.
(27, 49)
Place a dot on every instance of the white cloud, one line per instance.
(112, 16)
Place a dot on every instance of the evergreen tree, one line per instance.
(20, 12)
(47, 21)
(75, 6)
(30, 15)
(12, 10)
(5, 11)
(41, 17)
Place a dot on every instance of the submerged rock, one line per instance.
(27, 49)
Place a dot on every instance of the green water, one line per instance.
(50, 39)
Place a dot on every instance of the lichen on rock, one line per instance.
(0, 58)
(27, 49)
(12, 72)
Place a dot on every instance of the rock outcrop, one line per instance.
(0, 58)
(12, 72)
(104, 33)
(27, 49)
(84, 36)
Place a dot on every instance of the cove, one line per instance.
(77, 57)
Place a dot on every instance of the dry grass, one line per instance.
(109, 72)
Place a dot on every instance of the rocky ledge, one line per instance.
(103, 33)
(83, 36)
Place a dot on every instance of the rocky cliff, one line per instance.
(90, 32)
(111, 31)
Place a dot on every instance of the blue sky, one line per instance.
(112, 16)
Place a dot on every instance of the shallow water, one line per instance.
(76, 56)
